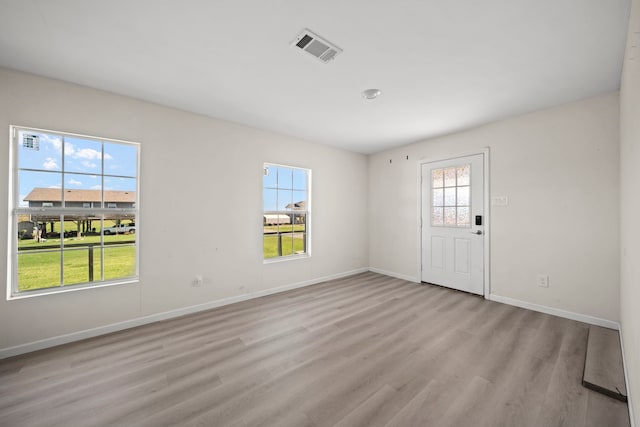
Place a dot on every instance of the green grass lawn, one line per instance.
(39, 270)
(74, 241)
(39, 262)
(289, 245)
(287, 228)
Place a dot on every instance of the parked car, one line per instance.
(120, 229)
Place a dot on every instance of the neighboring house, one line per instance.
(88, 199)
(297, 206)
(52, 197)
(275, 219)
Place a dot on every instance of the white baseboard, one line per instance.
(626, 382)
(114, 327)
(396, 275)
(556, 312)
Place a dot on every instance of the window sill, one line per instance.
(276, 260)
(70, 288)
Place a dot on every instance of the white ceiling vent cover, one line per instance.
(316, 46)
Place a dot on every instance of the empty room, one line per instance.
(287, 213)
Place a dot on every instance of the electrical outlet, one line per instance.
(199, 280)
(543, 280)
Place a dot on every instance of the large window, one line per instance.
(285, 219)
(74, 205)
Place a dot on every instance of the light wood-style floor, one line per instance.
(368, 350)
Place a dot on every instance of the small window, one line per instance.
(286, 211)
(450, 196)
(69, 246)
(112, 205)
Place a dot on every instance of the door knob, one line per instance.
(476, 232)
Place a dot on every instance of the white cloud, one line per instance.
(74, 182)
(84, 153)
(69, 149)
(89, 165)
(55, 186)
(87, 153)
(53, 140)
(22, 203)
(95, 187)
(50, 164)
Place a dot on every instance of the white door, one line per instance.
(453, 223)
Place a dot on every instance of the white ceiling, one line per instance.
(442, 65)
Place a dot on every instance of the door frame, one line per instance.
(487, 213)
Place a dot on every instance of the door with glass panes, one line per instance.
(453, 223)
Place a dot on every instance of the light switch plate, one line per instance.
(500, 201)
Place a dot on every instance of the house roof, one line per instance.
(55, 195)
(297, 205)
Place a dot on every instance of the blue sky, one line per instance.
(82, 164)
(283, 186)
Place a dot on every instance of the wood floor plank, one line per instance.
(364, 350)
(374, 411)
(565, 402)
(603, 371)
(603, 410)
(464, 411)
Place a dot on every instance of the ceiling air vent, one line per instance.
(316, 46)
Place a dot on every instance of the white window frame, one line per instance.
(307, 212)
(14, 210)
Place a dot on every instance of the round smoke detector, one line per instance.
(371, 93)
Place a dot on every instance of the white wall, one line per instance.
(559, 168)
(187, 160)
(630, 207)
